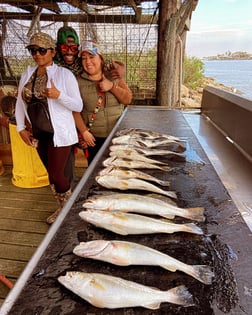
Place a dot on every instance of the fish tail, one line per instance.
(196, 214)
(181, 296)
(203, 273)
(193, 228)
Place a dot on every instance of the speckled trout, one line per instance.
(111, 292)
(150, 134)
(129, 223)
(143, 205)
(148, 152)
(134, 156)
(127, 253)
(120, 162)
(122, 183)
(141, 142)
(117, 171)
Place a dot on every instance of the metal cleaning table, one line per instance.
(225, 245)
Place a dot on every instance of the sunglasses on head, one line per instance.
(42, 51)
(65, 47)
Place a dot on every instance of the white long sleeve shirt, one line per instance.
(60, 109)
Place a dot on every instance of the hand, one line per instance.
(118, 70)
(52, 92)
(27, 137)
(89, 138)
(105, 84)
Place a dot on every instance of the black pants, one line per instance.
(93, 150)
(54, 160)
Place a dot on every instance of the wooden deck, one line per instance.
(22, 224)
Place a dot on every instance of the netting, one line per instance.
(114, 27)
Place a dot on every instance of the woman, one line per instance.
(103, 98)
(48, 84)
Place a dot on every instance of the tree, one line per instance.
(174, 16)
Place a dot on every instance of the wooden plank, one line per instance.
(11, 268)
(16, 253)
(23, 226)
(20, 238)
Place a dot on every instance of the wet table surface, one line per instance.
(225, 245)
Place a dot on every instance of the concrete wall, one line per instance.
(232, 115)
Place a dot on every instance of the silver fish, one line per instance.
(128, 223)
(122, 183)
(138, 141)
(119, 162)
(110, 292)
(127, 253)
(143, 205)
(134, 156)
(145, 133)
(147, 152)
(127, 173)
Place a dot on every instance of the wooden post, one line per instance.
(173, 15)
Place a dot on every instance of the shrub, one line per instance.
(193, 72)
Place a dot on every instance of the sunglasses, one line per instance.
(42, 51)
(64, 48)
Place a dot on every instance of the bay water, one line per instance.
(232, 73)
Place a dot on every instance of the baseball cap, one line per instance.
(42, 40)
(90, 46)
(65, 32)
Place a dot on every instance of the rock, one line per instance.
(191, 99)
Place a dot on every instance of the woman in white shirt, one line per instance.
(57, 89)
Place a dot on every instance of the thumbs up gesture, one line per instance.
(52, 92)
(105, 84)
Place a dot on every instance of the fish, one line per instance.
(129, 223)
(105, 291)
(119, 162)
(140, 142)
(117, 171)
(122, 253)
(122, 183)
(134, 156)
(145, 133)
(143, 205)
(147, 152)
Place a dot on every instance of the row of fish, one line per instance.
(128, 213)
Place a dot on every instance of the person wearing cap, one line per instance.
(67, 47)
(49, 84)
(68, 56)
(103, 98)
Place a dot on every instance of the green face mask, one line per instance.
(64, 32)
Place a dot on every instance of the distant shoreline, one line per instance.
(239, 55)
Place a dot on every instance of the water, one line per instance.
(232, 73)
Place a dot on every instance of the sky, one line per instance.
(219, 26)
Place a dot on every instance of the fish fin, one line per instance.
(180, 295)
(171, 194)
(152, 306)
(168, 216)
(96, 302)
(203, 273)
(196, 214)
(169, 267)
(165, 168)
(164, 183)
(193, 228)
